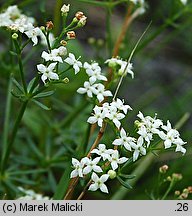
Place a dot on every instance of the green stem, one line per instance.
(21, 72)
(168, 189)
(7, 115)
(57, 16)
(12, 139)
(109, 38)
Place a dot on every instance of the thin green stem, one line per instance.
(109, 38)
(172, 183)
(7, 115)
(21, 72)
(7, 151)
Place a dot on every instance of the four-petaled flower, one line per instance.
(138, 148)
(98, 116)
(47, 72)
(103, 152)
(91, 165)
(78, 167)
(33, 33)
(115, 160)
(71, 60)
(98, 183)
(88, 88)
(124, 140)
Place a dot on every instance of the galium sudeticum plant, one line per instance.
(101, 163)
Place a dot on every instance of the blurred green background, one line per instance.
(162, 85)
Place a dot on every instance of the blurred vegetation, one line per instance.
(162, 84)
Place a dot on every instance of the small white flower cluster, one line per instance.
(87, 165)
(31, 195)
(14, 20)
(54, 56)
(146, 129)
(122, 67)
(112, 111)
(91, 88)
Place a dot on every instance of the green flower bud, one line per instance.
(112, 174)
(66, 80)
(15, 36)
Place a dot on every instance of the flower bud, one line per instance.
(177, 193)
(42, 28)
(49, 25)
(75, 20)
(91, 40)
(112, 174)
(183, 196)
(190, 189)
(177, 176)
(138, 124)
(63, 43)
(100, 42)
(71, 35)
(65, 9)
(79, 15)
(82, 21)
(66, 80)
(163, 169)
(169, 178)
(15, 36)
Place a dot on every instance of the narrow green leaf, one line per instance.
(31, 84)
(125, 184)
(41, 105)
(63, 184)
(17, 85)
(23, 181)
(44, 94)
(52, 181)
(26, 172)
(127, 176)
(13, 53)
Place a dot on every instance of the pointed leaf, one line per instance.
(124, 183)
(19, 87)
(127, 176)
(44, 94)
(41, 105)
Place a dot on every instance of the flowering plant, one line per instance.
(94, 162)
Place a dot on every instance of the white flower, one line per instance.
(65, 9)
(5, 20)
(152, 124)
(126, 68)
(71, 60)
(88, 88)
(13, 11)
(91, 165)
(94, 72)
(119, 104)
(124, 140)
(99, 183)
(179, 143)
(170, 136)
(55, 54)
(100, 92)
(145, 134)
(138, 148)
(44, 41)
(78, 167)
(115, 160)
(113, 62)
(115, 117)
(47, 72)
(184, 2)
(33, 33)
(98, 116)
(103, 152)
